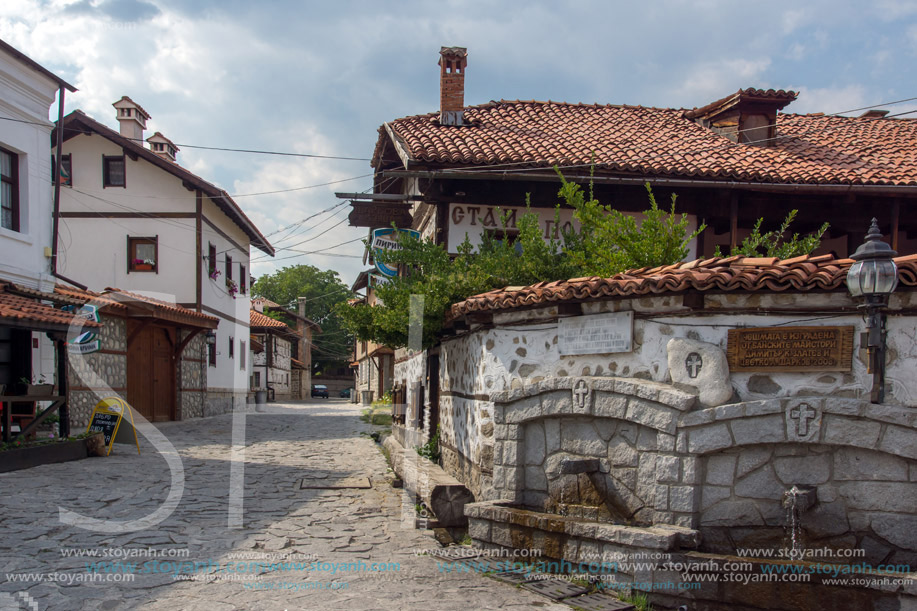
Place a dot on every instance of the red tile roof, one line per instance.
(164, 309)
(661, 142)
(822, 273)
(16, 309)
(259, 320)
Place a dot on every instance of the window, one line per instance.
(212, 261)
(257, 382)
(113, 174)
(9, 190)
(66, 175)
(212, 354)
(242, 355)
(232, 347)
(228, 268)
(243, 279)
(143, 254)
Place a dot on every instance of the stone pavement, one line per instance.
(327, 532)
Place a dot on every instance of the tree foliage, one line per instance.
(773, 243)
(608, 242)
(323, 291)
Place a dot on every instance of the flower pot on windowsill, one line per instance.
(142, 267)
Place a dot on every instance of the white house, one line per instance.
(134, 219)
(27, 91)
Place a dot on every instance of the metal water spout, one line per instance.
(569, 466)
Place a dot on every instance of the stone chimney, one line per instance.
(452, 64)
(162, 146)
(132, 118)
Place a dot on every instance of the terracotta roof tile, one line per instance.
(19, 309)
(821, 273)
(663, 141)
(165, 306)
(257, 319)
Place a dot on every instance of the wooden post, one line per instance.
(733, 220)
(896, 213)
(62, 388)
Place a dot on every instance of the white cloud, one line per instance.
(830, 100)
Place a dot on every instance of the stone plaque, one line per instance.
(790, 349)
(597, 334)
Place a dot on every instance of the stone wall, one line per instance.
(93, 377)
(659, 457)
(193, 374)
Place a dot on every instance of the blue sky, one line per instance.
(321, 77)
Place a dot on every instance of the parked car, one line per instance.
(320, 390)
(346, 392)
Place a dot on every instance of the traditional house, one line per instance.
(132, 217)
(272, 366)
(150, 352)
(730, 163)
(373, 364)
(300, 369)
(32, 331)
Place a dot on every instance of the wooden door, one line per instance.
(150, 373)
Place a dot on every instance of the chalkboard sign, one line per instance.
(106, 418)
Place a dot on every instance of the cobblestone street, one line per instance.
(318, 440)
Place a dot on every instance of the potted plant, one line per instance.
(232, 287)
(142, 265)
(37, 387)
(214, 274)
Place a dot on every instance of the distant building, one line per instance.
(134, 219)
(300, 348)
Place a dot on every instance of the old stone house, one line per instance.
(731, 162)
(300, 370)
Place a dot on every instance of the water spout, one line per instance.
(797, 500)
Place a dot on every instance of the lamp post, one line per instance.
(873, 278)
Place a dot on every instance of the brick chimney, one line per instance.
(132, 119)
(452, 63)
(163, 147)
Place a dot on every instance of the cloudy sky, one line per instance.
(320, 77)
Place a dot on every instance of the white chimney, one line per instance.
(132, 118)
(162, 146)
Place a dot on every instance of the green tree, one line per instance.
(323, 291)
(774, 244)
(607, 243)
(610, 242)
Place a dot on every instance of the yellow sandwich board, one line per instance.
(106, 418)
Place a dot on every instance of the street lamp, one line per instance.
(211, 338)
(874, 277)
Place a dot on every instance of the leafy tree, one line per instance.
(323, 291)
(610, 242)
(773, 244)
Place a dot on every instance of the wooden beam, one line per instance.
(896, 214)
(733, 220)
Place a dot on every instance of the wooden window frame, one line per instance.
(228, 268)
(212, 354)
(106, 172)
(131, 256)
(232, 347)
(13, 181)
(243, 284)
(241, 355)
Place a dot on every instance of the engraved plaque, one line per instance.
(790, 349)
(597, 334)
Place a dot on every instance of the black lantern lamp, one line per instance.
(873, 278)
(211, 338)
